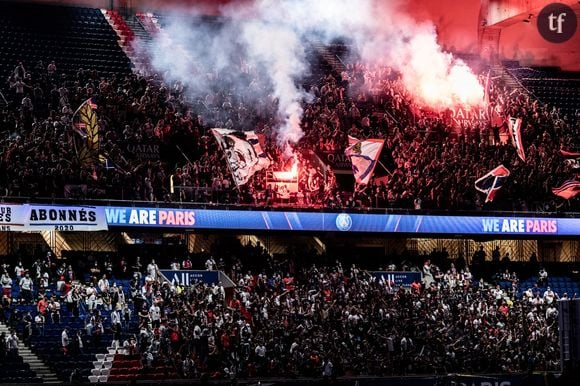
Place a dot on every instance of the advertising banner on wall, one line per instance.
(29, 217)
(398, 278)
(189, 277)
(32, 217)
(12, 218)
(65, 218)
(341, 222)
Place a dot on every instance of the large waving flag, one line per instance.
(515, 129)
(243, 152)
(492, 182)
(85, 124)
(363, 156)
(572, 158)
(568, 189)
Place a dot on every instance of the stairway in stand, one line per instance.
(36, 364)
(507, 79)
(126, 36)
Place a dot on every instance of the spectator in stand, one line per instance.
(6, 282)
(12, 342)
(103, 285)
(39, 321)
(64, 341)
(187, 264)
(429, 155)
(542, 277)
(26, 288)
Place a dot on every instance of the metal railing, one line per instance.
(282, 206)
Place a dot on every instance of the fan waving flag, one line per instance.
(572, 158)
(568, 190)
(492, 182)
(243, 152)
(363, 156)
(87, 127)
(515, 129)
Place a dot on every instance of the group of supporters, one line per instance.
(155, 143)
(285, 318)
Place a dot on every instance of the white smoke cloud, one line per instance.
(278, 50)
(271, 36)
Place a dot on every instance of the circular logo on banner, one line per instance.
(557, 22)
(343, 222)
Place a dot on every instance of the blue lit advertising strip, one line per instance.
(343, 222)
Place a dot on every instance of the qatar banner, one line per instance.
(469, 116)
(339, 222)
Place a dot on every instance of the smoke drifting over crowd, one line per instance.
(271, 36)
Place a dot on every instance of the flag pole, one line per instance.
(227, 163)
(384, 167)
(183, 154)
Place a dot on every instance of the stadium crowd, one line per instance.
(432, 163)
(285, 318)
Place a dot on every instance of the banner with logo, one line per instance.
(143, 151)
(468, 116)
(337, 160)
(398, 278)
(190, 277)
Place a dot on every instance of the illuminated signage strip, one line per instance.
(30, 217)
(343, 222)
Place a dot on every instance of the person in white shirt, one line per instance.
(64, 340)
(155, 313)
(551, 311)
(210, 264)
(91, 296)
(6, 282)
(39, 323)
(153, 270)
(103, 284)
(542, 277)
(19, 270)
(529, 294)
(26, 289)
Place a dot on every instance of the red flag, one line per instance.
(492, 182)
(572, 158)
(568, 190)
(570, 153)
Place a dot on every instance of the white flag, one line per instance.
(243, 152)
(364, 156)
